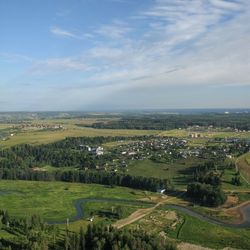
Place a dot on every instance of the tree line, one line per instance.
(82, 176)
(162, 122)
(32, 233)
(109, 238)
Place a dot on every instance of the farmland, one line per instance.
(42, 137)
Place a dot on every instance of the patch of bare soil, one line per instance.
(140, 213)
(232, 200)
(236, 212)
(188, 246)
(155, 199)
(37, 169)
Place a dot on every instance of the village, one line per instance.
(163, 150)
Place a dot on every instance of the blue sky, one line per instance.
(124, 54)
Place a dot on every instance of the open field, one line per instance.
(227, 181)
(48, 136)
(199, 232)
(4, 126)
(178, 171)
(55, 200)
(73, 121)
(114, 144)
(183, 133)
(244, 166)
(248, 159)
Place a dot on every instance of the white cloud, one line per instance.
(182, 43)
(57, 31)
(61, 32)
(116, 30)
(54, 65)
(13, 58)
(185, 42)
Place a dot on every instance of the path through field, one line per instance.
(140, 213)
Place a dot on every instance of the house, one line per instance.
(161, 191)
(91, 219)
(132, 153)
(97, 151)
(85, 147)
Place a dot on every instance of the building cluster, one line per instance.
(93, 150)
(25, 126)
(196, 135)
(160, 147)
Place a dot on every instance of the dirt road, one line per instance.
(140, 213)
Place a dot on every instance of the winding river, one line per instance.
(245, 211)
(79, 205)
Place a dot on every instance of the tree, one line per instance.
(82, 239)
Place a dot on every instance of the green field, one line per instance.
(248, 159)
(227, 181)
(244, 166)
(42, 137)
(185, 228)
(200, 232)
(55, 200)
(178, 171)
(184, 133)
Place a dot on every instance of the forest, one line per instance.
(206, 190)
(32, 233)
(167, 122)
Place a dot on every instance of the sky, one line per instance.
(124, 54)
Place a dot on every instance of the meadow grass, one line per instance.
(55, 200)
(244, 165)
(227, 181)
(178, 172)
(203, 233)
(248, 159)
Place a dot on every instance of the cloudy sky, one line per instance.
(124, 54)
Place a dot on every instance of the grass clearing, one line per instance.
(114, 144)
(227, 181)
(178, 171)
